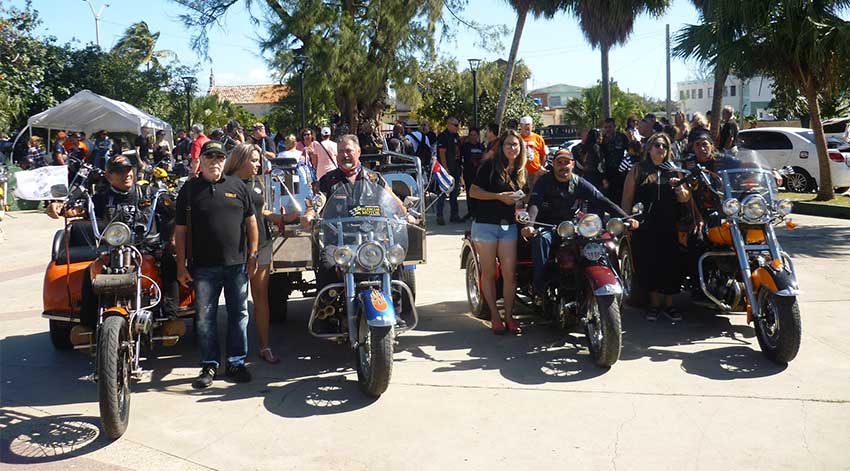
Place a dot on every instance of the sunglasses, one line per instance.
(307, 134)
(659, 145)
(215, 156)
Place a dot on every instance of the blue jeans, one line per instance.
(540, 248)
(441, 200)
(209, 282)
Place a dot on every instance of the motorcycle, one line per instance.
(364, 230)
(584, 284)
(745, 268)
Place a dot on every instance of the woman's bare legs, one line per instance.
(487, 263)
(260, 293)
(507, 265)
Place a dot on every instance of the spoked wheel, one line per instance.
(603, 330)
(113, 376)
(373, 356)
(778, 327)
(627, 274)
(477, 305)
(799, 181)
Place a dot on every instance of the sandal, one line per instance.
(652, 313)
(673, 314)
(513, 326)
(498, 328)
(267, 356)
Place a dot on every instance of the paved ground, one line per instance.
(695, 395)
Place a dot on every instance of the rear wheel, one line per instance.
(603, 329)
(279, 290)
(373, 356)
(477, 305)
(632, 292)
(113, 376)
(60, 335)
(841, 190)
(800, 181)
(778, 327)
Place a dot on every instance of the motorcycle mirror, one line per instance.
(638, 208)
(411, 201)
(522, 217)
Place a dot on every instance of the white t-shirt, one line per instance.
(327, 152)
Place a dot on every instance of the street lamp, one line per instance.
(188, 81)
(474, 64)
(96, 19)
(300, 62)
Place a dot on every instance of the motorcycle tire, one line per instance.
(113, 376)
(279, 291)
(604, 331)
(60, 335)
(477, 304)
(373, 357)
(778, 329)
(409, 278)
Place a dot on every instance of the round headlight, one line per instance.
(343, 256)
(784, 207)
(590, 226)
(731, 207)
(615, 226)
(396, 254)
(754, 207)
(566, 230)
(117, 234)
(370, 255)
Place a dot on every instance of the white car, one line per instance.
(836, 127)
(795, 147)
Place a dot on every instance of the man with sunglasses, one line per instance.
(448, 152)
(262, 139)
(216, 216)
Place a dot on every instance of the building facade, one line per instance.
(555, 96)
(749, 97)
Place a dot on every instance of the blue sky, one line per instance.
(554, 49)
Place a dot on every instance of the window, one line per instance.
(710, 91)
(765, 140)
(694, 93)
(681, 94)
(725, 91)
(687, 93)
(555, 100)
(699, 92)
(732, 90)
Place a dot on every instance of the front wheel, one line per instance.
(373, 357)
(60, 335)
(778, 327)
(477, 305)
(604, 331)
(800, 181)
(113, 376)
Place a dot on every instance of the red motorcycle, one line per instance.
(584, 285)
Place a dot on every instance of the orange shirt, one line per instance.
(536, 152)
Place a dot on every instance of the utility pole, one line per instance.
(96, 19)
(669, 90)
(301, 62)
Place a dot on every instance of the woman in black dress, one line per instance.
(655, 243)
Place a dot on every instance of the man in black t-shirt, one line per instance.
(143, 146)
(471, 152)
(266, 143)
(729, 132)
(614, 146)
(448, 154)
(215, 215)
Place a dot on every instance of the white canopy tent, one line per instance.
(89, 112)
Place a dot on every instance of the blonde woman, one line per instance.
(496, 190)
(245, 162)
(655, 243)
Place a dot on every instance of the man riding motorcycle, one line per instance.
(123, 201)
(556, 197)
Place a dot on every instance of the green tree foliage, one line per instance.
(789, 103)
(139, 45)
(586, 112)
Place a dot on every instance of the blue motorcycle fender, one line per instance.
(379, 311)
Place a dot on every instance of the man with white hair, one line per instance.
(728, 141)
(198, 141)
(536, 149)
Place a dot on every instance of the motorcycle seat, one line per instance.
(82, 244)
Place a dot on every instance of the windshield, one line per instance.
(750, 174)
(362, 212)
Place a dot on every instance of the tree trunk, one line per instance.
(606, 84)
(720, 75)
(825, 190)
(509, 69)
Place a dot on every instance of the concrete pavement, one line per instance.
(694, 395)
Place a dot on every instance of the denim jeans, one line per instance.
(441, 200)
(540, 248)
(209, 282)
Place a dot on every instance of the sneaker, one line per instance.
(652, 314)
(239, 374)
(205, 379)
(673, 314)
(441, 221)
(455, 218)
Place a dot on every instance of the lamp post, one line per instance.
(188, 81)
(96, 19)
(301, 63)
(474, 64)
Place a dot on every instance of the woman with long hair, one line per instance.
(655, 244)
(245, 162)
(594, 165)
(499, 185)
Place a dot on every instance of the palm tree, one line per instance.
(609, 23)
(139, 43)
(546, 8)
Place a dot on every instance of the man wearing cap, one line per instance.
(59, 153)
(448, 153)
(326, 152)
(553, 200)
(266, 143)
(536, 147)
(215, 220)
(233, 134)
(101, 149)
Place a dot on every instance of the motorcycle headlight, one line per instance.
(731, 207)
(784, 207)
(754, 207)
(615, 226)
(370, 255)
(593, 252)
(117, 234)
(566, 230)
(395, 254)
(343, 256)
(590, 226)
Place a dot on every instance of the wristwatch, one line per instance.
(253, 254)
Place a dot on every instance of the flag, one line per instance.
(445, 181)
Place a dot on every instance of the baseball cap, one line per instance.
(118, 163)
(213, 147)
(233, 125)
(526, 120)
(259, 125)
(563, 153)
(326, 131)
(61, 134)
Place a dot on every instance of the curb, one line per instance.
(823, 210)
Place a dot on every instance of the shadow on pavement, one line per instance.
(27, 439)
(816, 241)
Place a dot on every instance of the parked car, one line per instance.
(795, 147)
(556, 134)
(835, 127)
